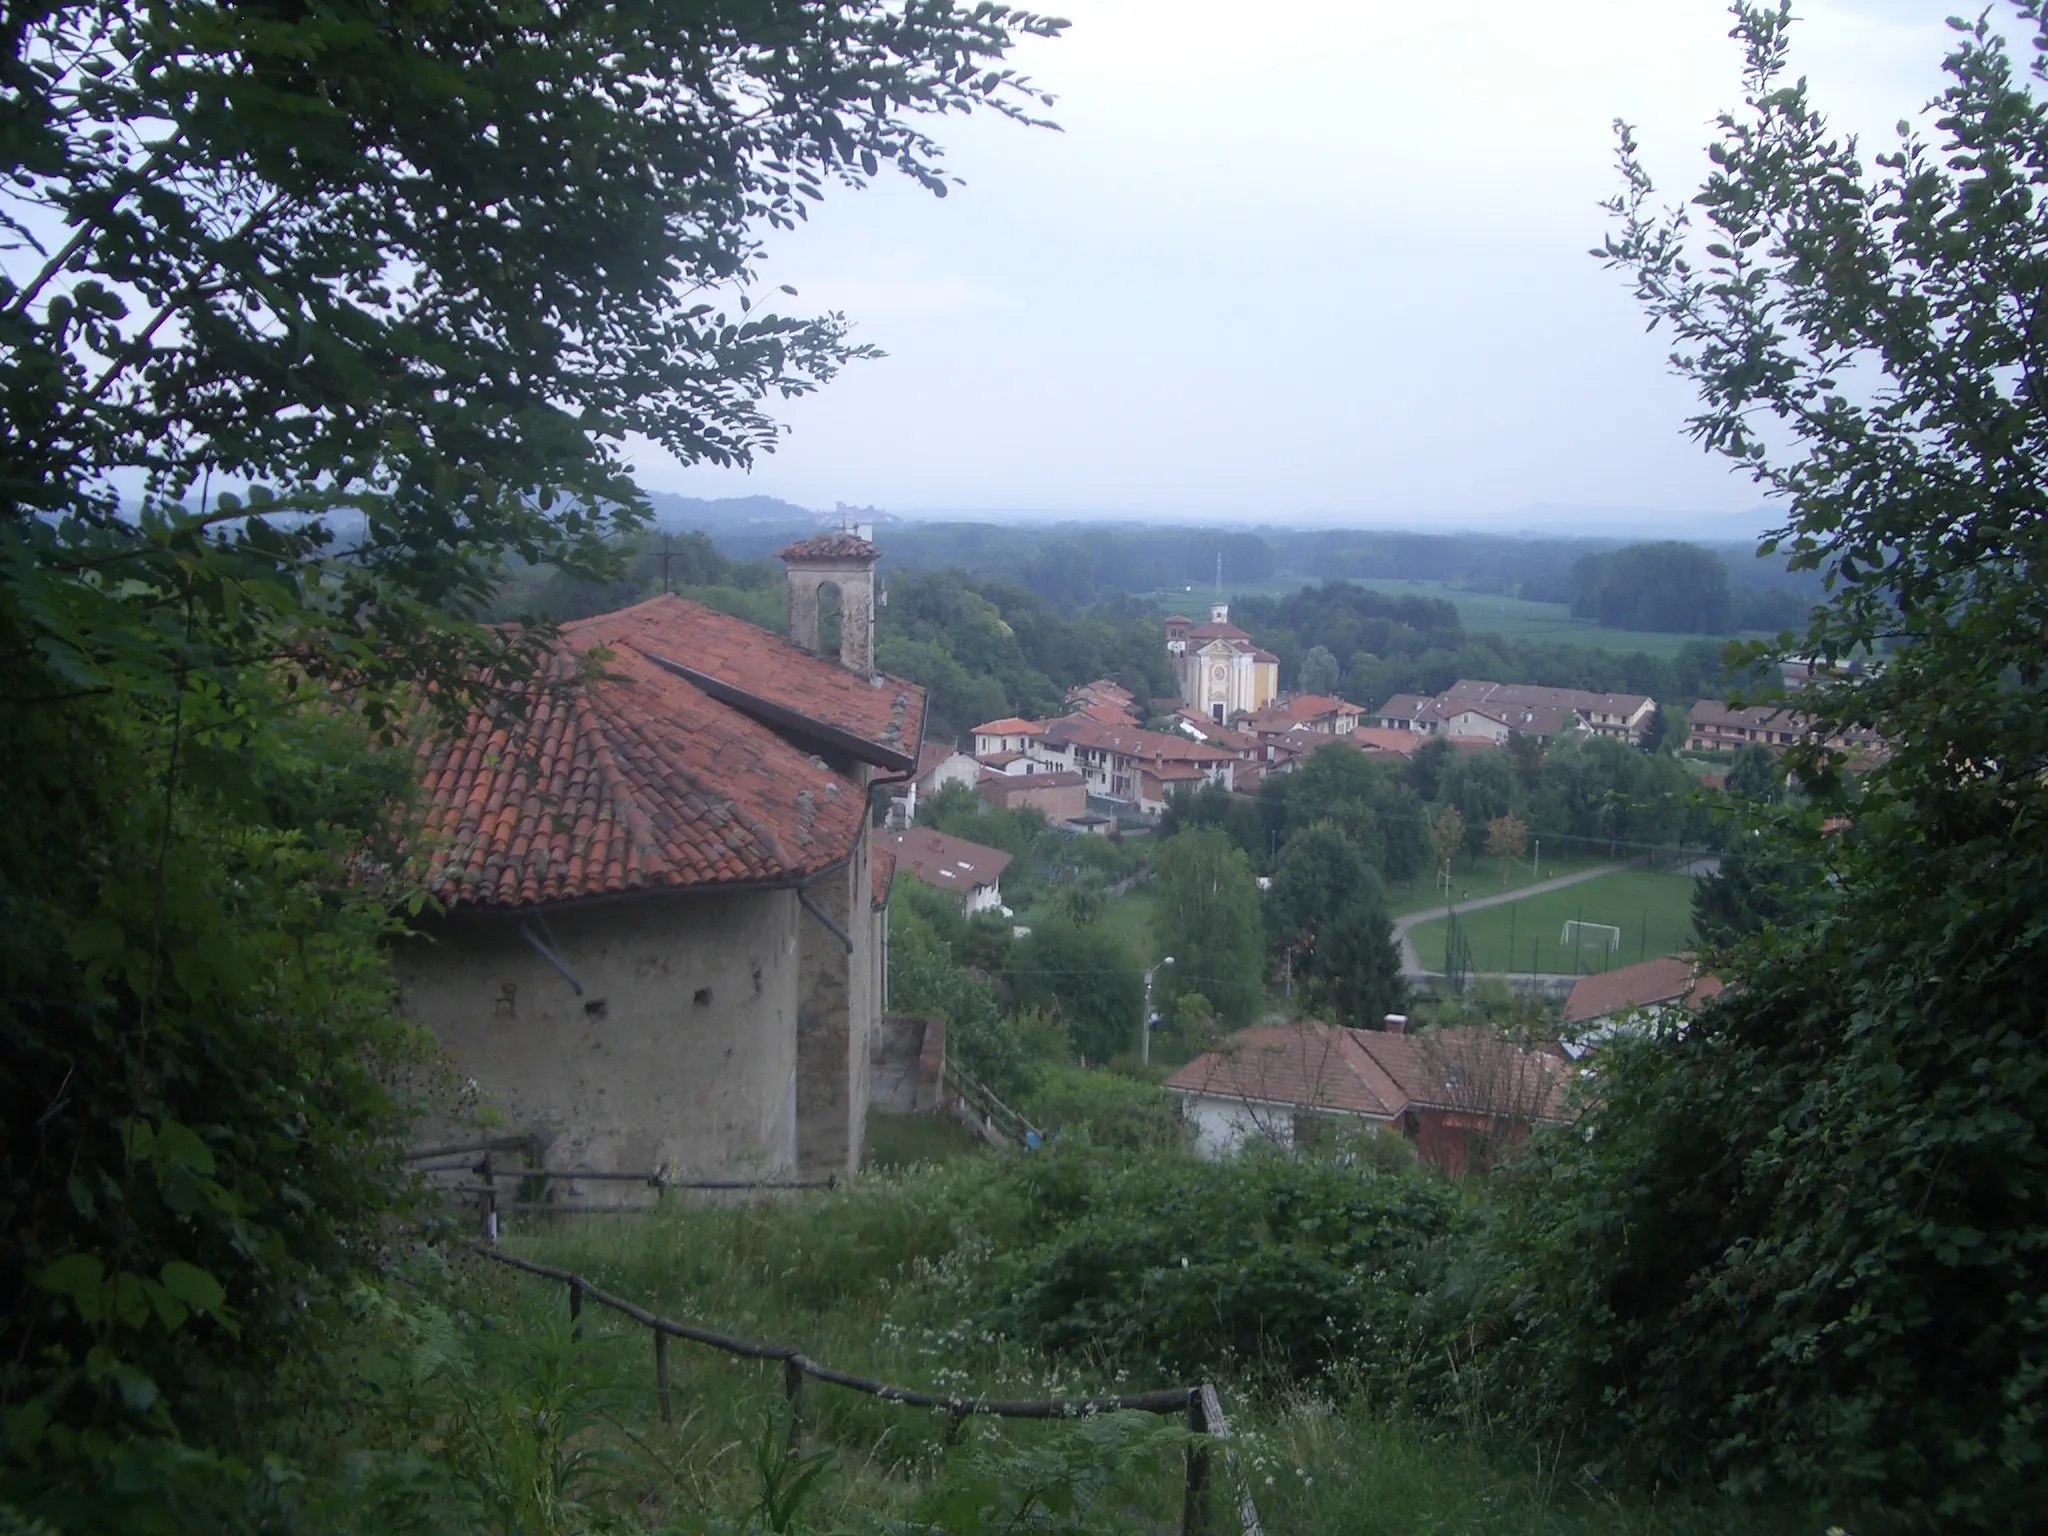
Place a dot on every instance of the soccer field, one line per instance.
(1653, 912)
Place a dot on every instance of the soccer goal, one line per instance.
(1605, 936)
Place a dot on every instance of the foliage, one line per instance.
(1764, 882)
(1320, 672)
(1355, 974)
(1110, 1111)
(1507, 839)
(1085, 975)
(1208, 920)
(198, 1132)
(1289, 1263)
(1804, 1239)
(1654, 587)
(1319, 873)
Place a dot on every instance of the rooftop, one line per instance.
(1670, 980)
(637, 781)
(878, 719)
(950, 863)
(831, 546)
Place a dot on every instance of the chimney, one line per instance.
(1395, 1023)
(845, 562)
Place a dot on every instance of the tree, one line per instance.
(1319, 671)
(1756, 774)
(1663, 587)
(1085, 974)
(1208, 920)
(354, 305)
(1507, 839)
(1802, 1239)
(1319, 872)
(1356, 975)
(1446, 834)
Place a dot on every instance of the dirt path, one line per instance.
(1411, 962)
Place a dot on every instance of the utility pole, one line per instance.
(666, 549)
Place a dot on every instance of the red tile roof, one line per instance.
(879, 718)
(1010, 725)
(882, 875)
(636, 782)
(1670, 980)
(831, 546)
(1129, 741)
(950, 863)
(1317, 1066)
(1309, 1064)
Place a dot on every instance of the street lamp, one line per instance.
(1145, 1024)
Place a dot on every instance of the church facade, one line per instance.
(1222, 673)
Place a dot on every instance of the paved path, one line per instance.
(1404, 927)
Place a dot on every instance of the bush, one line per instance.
(1107, 1109)
(1301, 1265)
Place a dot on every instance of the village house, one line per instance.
(970, 871)
(1600, 1005)
(1221, 672)
(1059, 795)
(1111, 759)
(1316, 713)
(1011, 735)
(1712, 726)
(1474, 708)
(937, 766)
(1460, 1095)
(1105, 701)
(659, 944)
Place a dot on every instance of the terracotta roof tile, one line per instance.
(1010, 725)
(1309, 1064)
(1670, 980)
(950, 863)
(831, 546)
(635, 782)
(1472, 1070)
(883, 876)
(879, 718)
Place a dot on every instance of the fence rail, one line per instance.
(1200, 1406)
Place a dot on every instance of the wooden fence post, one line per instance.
(576, 1308)
(1194, 1515)
(661, 1374)
(793, 1392)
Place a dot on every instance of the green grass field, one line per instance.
(1480, 612)
(1653, 911)
(1472, 879)
(1130, 918)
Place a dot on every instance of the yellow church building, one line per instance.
(1221, 672)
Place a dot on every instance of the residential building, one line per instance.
(1712, 726)
(938, 765)
(970, 871)
(1222, 673)
(1318, 713)
(1059, 795)
(656, 939)
(1476, 708)
(1461, 1095)
(1008, 735)
(1104, 700)
(1674, 981)
(1111, 758)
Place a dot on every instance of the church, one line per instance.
(1222, 674)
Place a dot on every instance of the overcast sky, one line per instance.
(1306, 260)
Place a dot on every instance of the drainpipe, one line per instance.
(549, 955)
(803, 896)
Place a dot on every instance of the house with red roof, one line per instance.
(1461, 1095)
(971, 871)
(938, 764)
(662, 928)
(1130, 765)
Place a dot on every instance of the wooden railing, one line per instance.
(1199, 1406)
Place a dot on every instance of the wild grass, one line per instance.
(890, 1277)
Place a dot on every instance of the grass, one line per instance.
(1653, 911)
(906, 1141)
(1472, 879)
(1479, 612)
(1130, 918)
(885, 1278)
